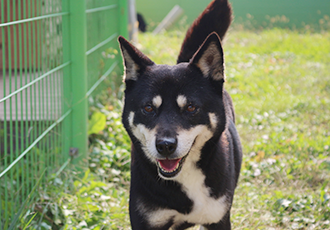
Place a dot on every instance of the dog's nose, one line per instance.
(166, 147)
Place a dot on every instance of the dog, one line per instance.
(186, 153)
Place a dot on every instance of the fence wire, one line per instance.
(38, 92)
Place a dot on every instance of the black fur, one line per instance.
(199, 77)
(215, 18)
(142, 22)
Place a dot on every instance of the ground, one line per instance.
(280, 84)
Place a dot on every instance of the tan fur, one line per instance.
(209, 63)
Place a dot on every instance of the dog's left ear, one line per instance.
(209, 58)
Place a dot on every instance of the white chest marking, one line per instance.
(206, 210)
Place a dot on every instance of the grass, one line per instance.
(279, 81)
(280, 84)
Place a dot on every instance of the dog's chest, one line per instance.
(206, 209)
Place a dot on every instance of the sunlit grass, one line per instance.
(280, 84)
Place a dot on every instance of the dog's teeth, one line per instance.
(177, 166)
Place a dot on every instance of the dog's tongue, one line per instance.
(169, 165)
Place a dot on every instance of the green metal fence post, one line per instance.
(78, 46)
(66, 90)
(123, 14)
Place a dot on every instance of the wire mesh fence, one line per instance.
(53, 55)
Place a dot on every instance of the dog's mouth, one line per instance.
(169, 168)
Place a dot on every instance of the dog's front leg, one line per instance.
(223, 224)
(139, 222)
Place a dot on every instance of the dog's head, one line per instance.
(172, 111)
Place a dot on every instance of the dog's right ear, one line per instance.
(135, 62)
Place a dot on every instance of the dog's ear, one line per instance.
(209, 58)
(135, 62)
(216, 17)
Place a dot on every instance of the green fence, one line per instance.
(53, 55)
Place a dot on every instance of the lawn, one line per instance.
(280, 84)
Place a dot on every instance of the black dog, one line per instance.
(186, 152)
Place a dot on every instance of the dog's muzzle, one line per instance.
(170, 166)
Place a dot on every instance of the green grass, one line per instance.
(279, 81)
(280, 84)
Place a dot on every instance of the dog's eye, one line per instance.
(191, 108)
(148, 109)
